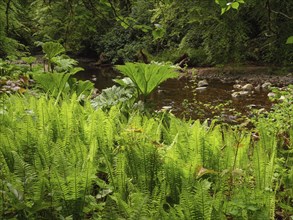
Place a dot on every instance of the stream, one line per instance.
(182, 98)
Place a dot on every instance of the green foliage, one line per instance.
(54, 84)
(64, 157)
(60, 85)
(72, 161)
(147, 77)
(289, 40)
(224, 31)
(29, 60)
(9, 46)
(71, 23)
(120, 45)
(52, 49)
(276, 129)
(55, 57)
(42, 172)
(83, 89)
(11, 29)
(158, 33)
(10, 69)
(226, 6)
(6, 69)
(64, 63)
(113, 96)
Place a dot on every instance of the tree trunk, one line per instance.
(7, 16)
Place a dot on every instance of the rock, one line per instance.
(6, 87)
(102, 59)
(203, 83)
(167, 107)
(271, 95)
(224, 80)
(257, 88)
(282, 98)
(235, 95)
(200, 89)
(244, 93)
(228, 118)
(261, 111)
(10, 82)
(15, 88)
(237, 86)
(248, 87)
(266, 86)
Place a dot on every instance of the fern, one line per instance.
(72, 161)
(64, 171)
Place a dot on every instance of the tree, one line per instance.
(209, 32)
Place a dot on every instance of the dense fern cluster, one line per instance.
(61, 160)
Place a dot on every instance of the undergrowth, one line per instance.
(64, 160)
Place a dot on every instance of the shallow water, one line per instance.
(180, 95)
(216, 100)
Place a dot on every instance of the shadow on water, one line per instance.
(185, 101)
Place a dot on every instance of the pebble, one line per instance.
(271, 94)
(266, 85)
(235, 95)
(257, 88)
(282, 98)
(237, 86)
(200, 89)
(244, 93)
(248, 87)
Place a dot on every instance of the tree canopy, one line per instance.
(208, 32)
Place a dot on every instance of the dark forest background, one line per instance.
(117, 31)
